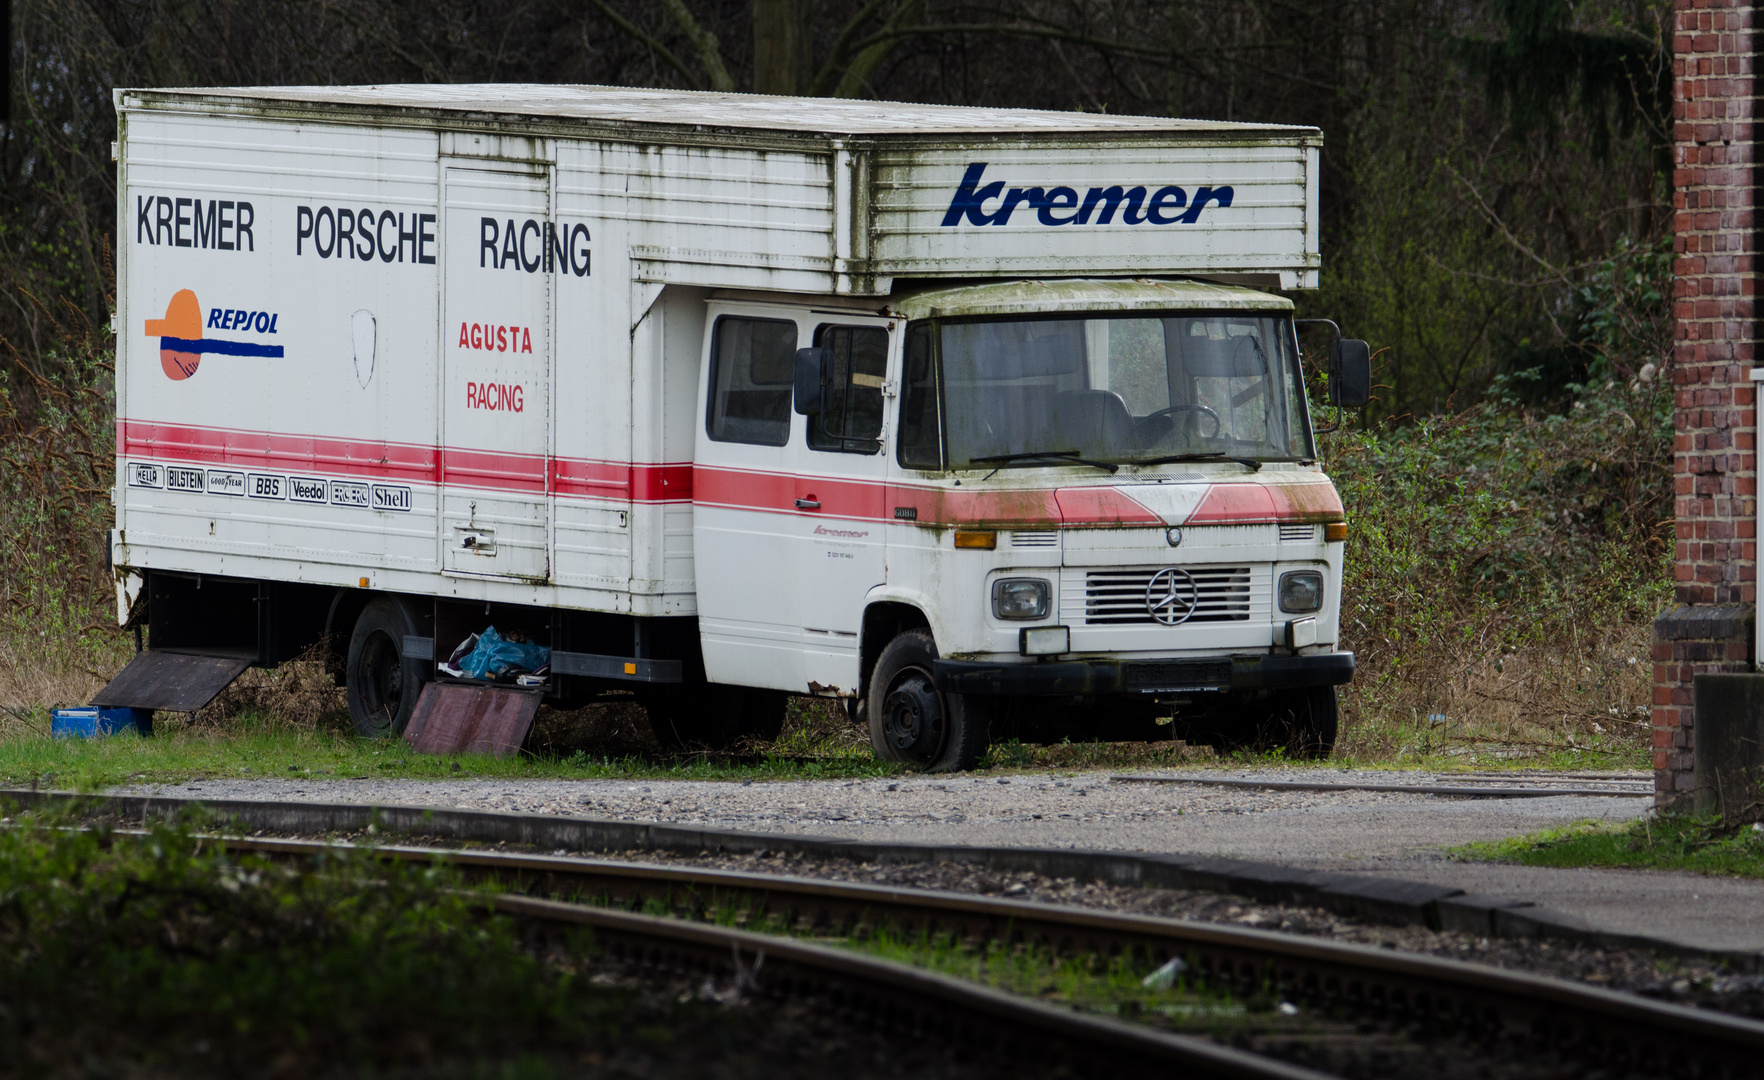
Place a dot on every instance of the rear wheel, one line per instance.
(715, 717)
(382, 684)
(913, 723)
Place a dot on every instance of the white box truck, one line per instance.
(981, 420)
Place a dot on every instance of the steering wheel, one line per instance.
(1217, 426)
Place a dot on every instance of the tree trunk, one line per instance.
(783, 46)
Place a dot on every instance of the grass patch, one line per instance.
(1112, 986)
(180, 756)
(162, 956)
(1672, 842)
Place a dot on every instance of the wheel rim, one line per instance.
(382, 680)
(912, 716)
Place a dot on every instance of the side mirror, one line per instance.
(1350, 373)
(811, 369)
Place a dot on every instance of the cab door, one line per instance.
(744, 492)
(841, 468)
(496, 342)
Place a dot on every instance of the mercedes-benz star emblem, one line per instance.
(1171, 596)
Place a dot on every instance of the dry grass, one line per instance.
(1585, 695)
(297, 696)
(609, 729)
(39, 675)
(1097, 755)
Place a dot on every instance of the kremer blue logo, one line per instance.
(1168, 205)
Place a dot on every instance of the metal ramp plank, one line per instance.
(468, 718)
(168, 680)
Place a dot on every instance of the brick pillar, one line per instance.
(1709, 627)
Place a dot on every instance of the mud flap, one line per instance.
(465, 718)
(168, 680)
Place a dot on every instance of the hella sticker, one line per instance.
(143, 475)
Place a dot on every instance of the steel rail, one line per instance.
(883, 990)
(1605, 1026)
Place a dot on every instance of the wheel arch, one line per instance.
(884, 620)
(346, 608)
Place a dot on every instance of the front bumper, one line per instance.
(982, 678)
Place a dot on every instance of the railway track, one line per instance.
(1601, 1030)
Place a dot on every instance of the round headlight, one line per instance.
(1301, 591)
(1020, 598)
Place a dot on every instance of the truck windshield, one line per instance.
(1111, 389)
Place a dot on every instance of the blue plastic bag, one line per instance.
(493, 657)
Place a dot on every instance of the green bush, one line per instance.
(165, 951)
(1531, 530)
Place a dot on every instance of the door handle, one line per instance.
(808, 504)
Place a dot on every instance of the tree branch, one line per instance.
(649, 41)
(857, 74)
(842, 46)
(710, 54)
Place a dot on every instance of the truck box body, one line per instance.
(450, 342)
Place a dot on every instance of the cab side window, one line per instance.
(851, 417)
(752, 376)
(920, 445)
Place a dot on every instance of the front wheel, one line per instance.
(911, 721)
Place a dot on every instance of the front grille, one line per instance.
(1170, 675)
(1035, 539)
(1118, 596)
(1298, 532)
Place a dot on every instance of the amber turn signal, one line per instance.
(985, 540)
(1334, 531)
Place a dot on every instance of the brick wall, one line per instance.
(1709, 627)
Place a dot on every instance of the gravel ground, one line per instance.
(1399, 835)
(1078, 810)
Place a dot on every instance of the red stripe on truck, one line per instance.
(747, 489)
(1249, 504)
(619, 481)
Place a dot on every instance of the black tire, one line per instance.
(711, 716)
(383, 686)
(912, 722)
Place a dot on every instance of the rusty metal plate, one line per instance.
(459, 718)
(170, 681)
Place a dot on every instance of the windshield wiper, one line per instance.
(1249, 463)
(1030, 455)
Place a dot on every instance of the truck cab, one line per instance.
(1070, 508)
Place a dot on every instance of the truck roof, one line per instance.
(699, 109)
(1038, 296)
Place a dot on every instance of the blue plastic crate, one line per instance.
(91, 722)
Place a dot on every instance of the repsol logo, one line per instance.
(337, 232)
(1168, 205)
(533, 246)
(210, 224)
